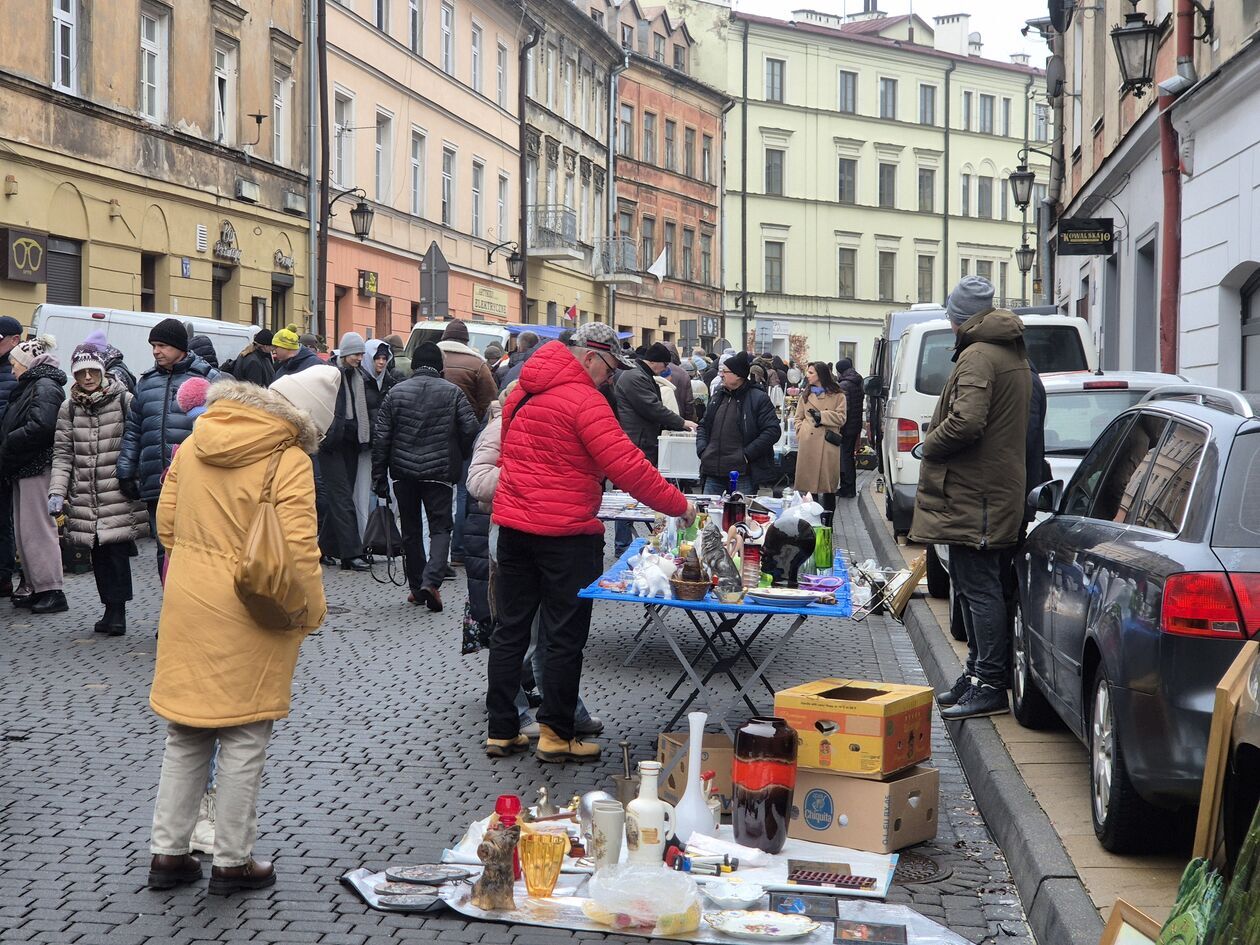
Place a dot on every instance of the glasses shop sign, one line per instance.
(1086, 236)
(25, 255)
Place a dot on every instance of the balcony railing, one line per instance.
(552, 227)
(616, 258)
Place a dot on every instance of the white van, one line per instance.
(924, 359)
(129, 331)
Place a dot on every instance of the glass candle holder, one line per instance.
(542, 855)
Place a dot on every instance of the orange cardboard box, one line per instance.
(862, 729)
(875, 816)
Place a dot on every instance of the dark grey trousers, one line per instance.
(977, 580)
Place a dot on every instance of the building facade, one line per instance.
(1198, 267)
(668, 176)
(424, 117)
(146, 166)
(866, 169)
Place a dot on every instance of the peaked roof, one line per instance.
(875, 24)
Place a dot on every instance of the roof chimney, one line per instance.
(951, 33)
(974, 45)
(1020, 59)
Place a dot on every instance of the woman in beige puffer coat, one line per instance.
(84, 482)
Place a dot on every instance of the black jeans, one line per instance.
(161, 552)
(437, 500)
(111, 566)
(977, 580)
(8, 549)
(848, 465)
(339, 533)
(540, 575)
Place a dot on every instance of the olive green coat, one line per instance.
(971, 482)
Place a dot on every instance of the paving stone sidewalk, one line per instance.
(380, 763)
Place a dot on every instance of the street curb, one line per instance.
(1059, 908)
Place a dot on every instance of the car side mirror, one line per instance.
(917, 450)
(1045, 497)
(871, 386)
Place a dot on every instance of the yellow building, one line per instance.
(154, 157)
(866, 168)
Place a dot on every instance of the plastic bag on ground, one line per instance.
(645, 898)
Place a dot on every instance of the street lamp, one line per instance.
(1024, 257)
(361, 216)
(1136, 42)
(515, 261)
(1022, 180)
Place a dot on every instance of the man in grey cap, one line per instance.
(10, 335)
(971, 491)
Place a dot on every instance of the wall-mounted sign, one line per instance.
(1086, 236)
(283, 262)
(225, 246)
(488, 301)
(25, 255)
(367, 283)
(185, 267)
(709, 326)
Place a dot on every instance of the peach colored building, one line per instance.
(423, 117)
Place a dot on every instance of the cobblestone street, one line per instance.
(380, 763)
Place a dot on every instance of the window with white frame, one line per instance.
(706, 159)
(986, 114)
(225, 86)
(984, 269)
(415, 26)
(417, 173)
(382, 15)
(502, 231)
(154, 61)
(846, 266)
(887, 98)
(549, 66)
(501, 76)
(847, 102)
(65, 27)
(566, 89)
(927, 190)
(887, 185)
(887, 276)
(706, 258)
(965, 207)
(475, 55)
(671, 140)
(774, 171)
(478, 197)
(1041, 123)
(967, 98)
(984, 197)
(927, 278)
(772, 276)
(448, 186)
(1006, 117)
(648, 154)
(343, 139)
(383, 154)
(281, 113)
(448, 39)
(1004, 199)
(774, 79)
(927, 104)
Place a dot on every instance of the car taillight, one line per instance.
(907, 435)
(1247, 590)
(1200, 605)
(1105, 385)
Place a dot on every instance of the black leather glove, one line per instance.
(381, 488)
(130, 488)
(815, 416)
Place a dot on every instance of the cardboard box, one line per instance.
(875, 816)
(864, 729)
(717, 752)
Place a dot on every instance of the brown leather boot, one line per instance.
(502, 747)
(432, 599)
(167, 872)
(552, 748)
(256, 874)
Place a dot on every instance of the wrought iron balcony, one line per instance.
(617, 260)
(553, 232)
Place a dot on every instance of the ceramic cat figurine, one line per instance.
(493, 889)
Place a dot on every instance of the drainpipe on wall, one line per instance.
(325, 153)
(949, 183)
(1170, 171)
(612, 175)
(522, 96)
(313, 289)
(743, 203)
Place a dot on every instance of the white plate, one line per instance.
(727, 895)
(762, 926)
(783, 595)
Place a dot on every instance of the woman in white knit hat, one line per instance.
(26, 452)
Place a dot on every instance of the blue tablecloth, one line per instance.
(594, 592)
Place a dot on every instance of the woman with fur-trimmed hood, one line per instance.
(220, 675)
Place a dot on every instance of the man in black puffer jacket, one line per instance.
(10, 335)
(155, 424)
(424, 431)
(851, 384)
(738, 432)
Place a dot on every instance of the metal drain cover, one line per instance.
(917, 868)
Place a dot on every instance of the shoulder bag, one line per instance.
(266, 582)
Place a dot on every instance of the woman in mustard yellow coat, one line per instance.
(220, 675)
(820, 410)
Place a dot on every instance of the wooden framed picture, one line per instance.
(1129, 925)
(1229, 693)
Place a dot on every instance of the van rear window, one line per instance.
(1238, 509)
(1051, 349)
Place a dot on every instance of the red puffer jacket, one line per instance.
(560, 449)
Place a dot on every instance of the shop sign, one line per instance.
(709, 326)
(1086, 236)
(368, 283)
(283, 262)
(763, 335)
(225, 246)
(185, 267)
(25, 255)
(488, 301)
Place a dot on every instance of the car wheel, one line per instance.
(1027, 701)
(1122, 820)
(937, 576)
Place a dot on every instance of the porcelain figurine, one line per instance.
(493, 889)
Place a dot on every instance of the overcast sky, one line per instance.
(997, 21)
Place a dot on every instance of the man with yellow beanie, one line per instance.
(291, 356)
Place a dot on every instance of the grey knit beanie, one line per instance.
(972, 295)
(351, 343)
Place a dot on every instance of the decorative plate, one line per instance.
(761, 926)
(432, 875)
(413, 901)
(783, 595)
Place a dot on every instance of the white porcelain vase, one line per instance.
(649, 820)
(693, 815)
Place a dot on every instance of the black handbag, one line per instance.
(381, 539)
(834, 438)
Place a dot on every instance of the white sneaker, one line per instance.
(203, 834)
(530, 730)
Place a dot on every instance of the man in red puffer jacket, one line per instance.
(560, 441)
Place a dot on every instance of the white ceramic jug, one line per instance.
(649, 820)
(693, 813)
